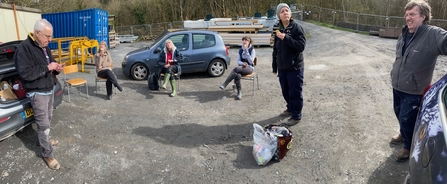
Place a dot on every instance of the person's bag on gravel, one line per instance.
(284, 140)
(264, 145)
(152, 81)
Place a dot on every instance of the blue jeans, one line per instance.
(406, 108)
(292, 90)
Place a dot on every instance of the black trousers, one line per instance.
(171, 70)
(111, 79)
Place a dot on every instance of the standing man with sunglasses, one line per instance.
(417, 50)
(37, 70)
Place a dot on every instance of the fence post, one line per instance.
(150, 30)
(357, 30)
(388, 21)
(333, 18)
(302, 12)
(319, 15)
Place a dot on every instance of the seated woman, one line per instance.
(103, 63)
(245, 66)
(170, 58)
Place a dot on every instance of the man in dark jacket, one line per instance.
(288, 62)
(417, 50)
(38, 69)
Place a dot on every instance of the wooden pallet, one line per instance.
(238, 28)
(112, 39)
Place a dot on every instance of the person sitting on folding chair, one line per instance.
(245, 66)
(170, 58)
(103, 63)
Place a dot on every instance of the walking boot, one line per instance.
(228, 80)
(239, 89)
(52, 163)
(167, 76)
(402, 155)
(397, 139)
(174, 88)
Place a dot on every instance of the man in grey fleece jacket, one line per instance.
(417, 50)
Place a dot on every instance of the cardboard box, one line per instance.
(6, 94)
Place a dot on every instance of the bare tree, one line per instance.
(131, 12)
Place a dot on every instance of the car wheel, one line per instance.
(139, 71)
(216, 68)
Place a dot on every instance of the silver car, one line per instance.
(16, 114)
(203, 51)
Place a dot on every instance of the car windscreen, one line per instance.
(162, 35)
(7, 51)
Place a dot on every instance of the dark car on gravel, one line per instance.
(15, 114)
(428, 155)
(203, 51)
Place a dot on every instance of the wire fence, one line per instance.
(148, 31)
(345, 19)
(355, 21)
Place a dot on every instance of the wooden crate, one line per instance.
(112, 39)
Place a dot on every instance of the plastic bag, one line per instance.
(264, 146)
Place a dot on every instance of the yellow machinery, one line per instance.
(62, 54)
(80, 50)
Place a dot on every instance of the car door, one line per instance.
(182, 43)
(202, 50)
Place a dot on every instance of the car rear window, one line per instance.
(7, 51)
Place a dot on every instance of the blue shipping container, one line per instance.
(92, 23)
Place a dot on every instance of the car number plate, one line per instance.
(28, 112)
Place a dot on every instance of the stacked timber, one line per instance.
(238, 28)
(236, 38)
(112, 39)
(232, 31)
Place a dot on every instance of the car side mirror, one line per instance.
(157, 50)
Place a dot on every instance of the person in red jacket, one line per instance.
(169, 60)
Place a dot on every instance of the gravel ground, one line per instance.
(205, 136)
